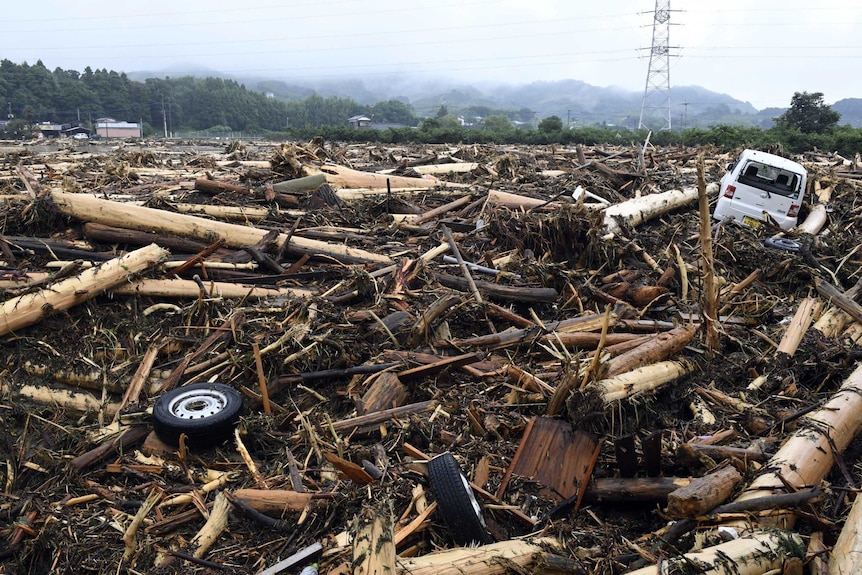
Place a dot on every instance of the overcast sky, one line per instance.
(761, 51)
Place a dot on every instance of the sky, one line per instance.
(759, 51)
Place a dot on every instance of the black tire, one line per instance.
(205, 412)
(457, 503)
(783, 244)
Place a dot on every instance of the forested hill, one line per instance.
(35, 94)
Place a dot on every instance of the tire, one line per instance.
(783, 244)
(205, 412)
(457, 503)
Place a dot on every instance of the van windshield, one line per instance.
(769, 179)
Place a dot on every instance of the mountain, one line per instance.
(572, 101)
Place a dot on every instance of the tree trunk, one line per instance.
(27, 309)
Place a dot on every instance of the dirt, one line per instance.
(480, 419)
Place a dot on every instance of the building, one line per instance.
(359, 121)
(111, 128)
(75, 129)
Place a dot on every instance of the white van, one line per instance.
(760, 187)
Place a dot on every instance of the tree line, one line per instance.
(32, 93)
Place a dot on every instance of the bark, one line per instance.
(501, 292)
(656, 349)
(642, 380)
(274, 501)
(491, 559)
(89, 208)
(374, 542)
(703, 493)
(27, 309)
(387, 391)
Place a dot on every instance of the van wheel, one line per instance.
(205, 412)
(782, 244)
(456, 501)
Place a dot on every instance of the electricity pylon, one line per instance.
(655, 109)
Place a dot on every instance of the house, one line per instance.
(359, 121)
(111, 128)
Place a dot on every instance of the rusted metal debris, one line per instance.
(617, 399)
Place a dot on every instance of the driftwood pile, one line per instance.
(628, 386)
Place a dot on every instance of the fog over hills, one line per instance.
(574, 101)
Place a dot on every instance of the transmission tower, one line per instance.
(655, 109)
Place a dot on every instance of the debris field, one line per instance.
(254, 357)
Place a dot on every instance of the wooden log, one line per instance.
(808, 455)
(633, 212)
(755, 554)
(89, 208)
(692, 453)
(445, 208)
(622, 489)
(75, 402)
(372, 420)
(180, 288)
(809, 308)
(130, 438)
(214, 187)
(709, 296)
(703, 493)
(834, 295)
(114, 235)
(438, 366)
(846, 556)
(642, 380)
(274, 501)
(494, 559)
(374, 541)
(303, 184)
(350, 178)
(501, 292)
(656, 349)
(588, 322)
(27, 309)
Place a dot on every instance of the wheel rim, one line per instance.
(198, 404)
(477, 509)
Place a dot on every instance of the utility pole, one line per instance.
(655, 109)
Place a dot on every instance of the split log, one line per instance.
(809, 308)
(27, 309)
(642, 380)
(89, 208)
(387, 391)
(213, 528)
(656, 349)
(494, 559)
(703, 493)
(756, 554)
(808, 455)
